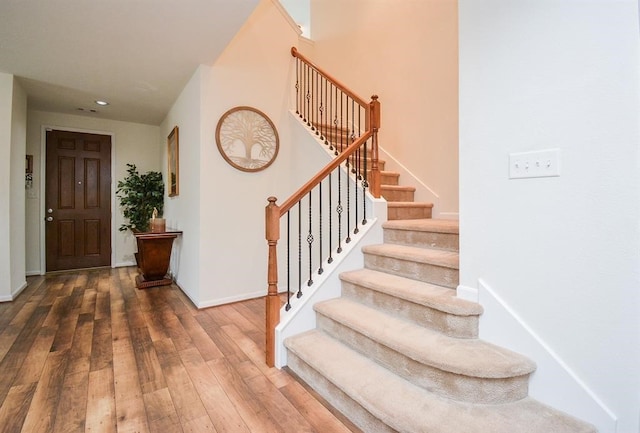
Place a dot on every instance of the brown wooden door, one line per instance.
(78, 200)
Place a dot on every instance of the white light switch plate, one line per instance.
(539, 163)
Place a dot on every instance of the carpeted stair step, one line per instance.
(379, 401)
(425, 233)
(397, 192)
(429, 265)
(468, 370)
(425, 304)
(404, 210)
(389, 178)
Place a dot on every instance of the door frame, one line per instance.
(43, 180)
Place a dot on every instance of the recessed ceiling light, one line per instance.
(103, 103)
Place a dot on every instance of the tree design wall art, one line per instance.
(247, 139)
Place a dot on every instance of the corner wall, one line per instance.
(222, 256)
(406, 52)
(560, 253)
(13, 112)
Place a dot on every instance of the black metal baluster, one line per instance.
(288, 306)
(330, 259)
(322, 108)
(314, 74)
(320, 270)
(356, 166)
(308, 96)
(339, 211)
(299, 294)
(365, 177)
(310, 242)
(335, 125)
(298, 87)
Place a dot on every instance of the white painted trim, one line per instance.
(554, 382)
(449, 215)
(124, 264)
(286, 16)
(32, 273)
(14, 294)
(227, 300)
(423, 191)
(43, 167)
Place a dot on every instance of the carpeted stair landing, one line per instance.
(399, 352)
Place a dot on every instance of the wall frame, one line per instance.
(173, 158)
(247, 139)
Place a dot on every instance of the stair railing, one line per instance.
(333, 200)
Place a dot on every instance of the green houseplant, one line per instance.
(139, 194)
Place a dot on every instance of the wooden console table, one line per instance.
(153, 256)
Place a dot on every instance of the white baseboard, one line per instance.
(124, 264)
(229, 299)
(34, 273)
(14, 293)
(554, 382)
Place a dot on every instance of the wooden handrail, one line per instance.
(273, 212)
(315, 180)
(338, 84)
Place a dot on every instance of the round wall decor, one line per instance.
(247, 139)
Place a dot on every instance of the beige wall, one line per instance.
(131, 143)
(222, 256)
(407, 53)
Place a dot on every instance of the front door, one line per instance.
(78, 200)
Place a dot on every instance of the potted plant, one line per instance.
(139, 195)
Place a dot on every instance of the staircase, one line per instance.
(398, 351)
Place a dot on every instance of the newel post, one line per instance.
(374, 183)
(272, 234)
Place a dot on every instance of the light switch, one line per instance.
(538, 163)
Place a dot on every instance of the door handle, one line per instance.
(49, 218)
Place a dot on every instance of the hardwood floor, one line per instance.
(88, 352)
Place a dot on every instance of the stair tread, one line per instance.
(424, 225)
(413, 409)
(418, 292)
(468, 357)
(444, 258)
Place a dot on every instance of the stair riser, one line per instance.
(442, 241)
(397, 195)
(443, 383)
(358, 415)
(408, 213)
(426, 272)
(448, 324)
(389, 178)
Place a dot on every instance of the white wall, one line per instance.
(222, 256)
(13, 103)
(406, 53)
(561, 253)
(17, 188)
(131, 143)
(183, 211)
(6, 98)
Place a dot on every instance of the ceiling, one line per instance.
(136, 54)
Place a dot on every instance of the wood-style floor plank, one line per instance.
(88, 352)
